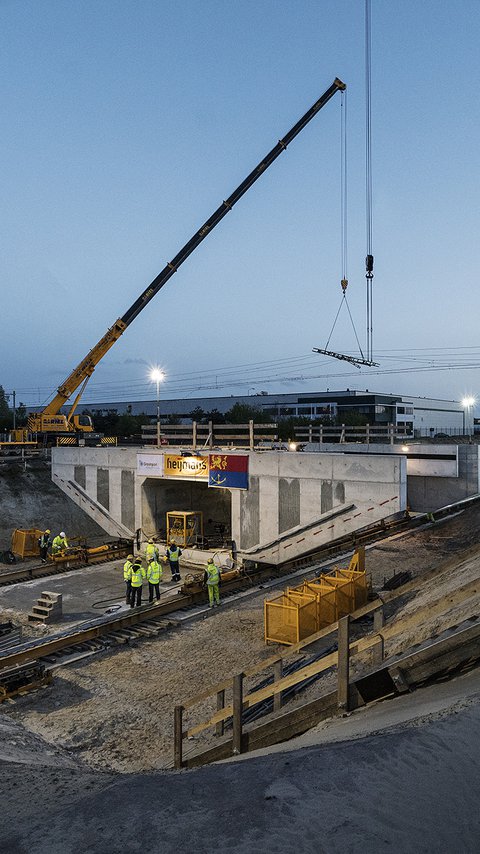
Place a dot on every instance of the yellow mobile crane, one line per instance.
(50, 420)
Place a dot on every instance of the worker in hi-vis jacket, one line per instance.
(212, 580)
(127, 577)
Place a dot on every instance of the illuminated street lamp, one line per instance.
(156, 376)
(467, 404)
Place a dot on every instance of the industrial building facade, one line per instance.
(417, 416)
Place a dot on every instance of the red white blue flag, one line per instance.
(228, 470)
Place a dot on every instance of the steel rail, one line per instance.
(68, 564)
(35, 649)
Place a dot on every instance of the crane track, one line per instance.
(149, 620)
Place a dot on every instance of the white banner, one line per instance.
(150, 465)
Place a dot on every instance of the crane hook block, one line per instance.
(344, 284)
(369, 266)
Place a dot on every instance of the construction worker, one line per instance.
(43, 544)
(173, 555)
(127, 576)
(151, 551)
(212, 579)
(59, 543)
(136, 581)
(154, 574)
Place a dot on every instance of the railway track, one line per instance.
(78, 558)
(149, 620)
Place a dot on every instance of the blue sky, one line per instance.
(126, 123)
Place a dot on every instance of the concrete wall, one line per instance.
(289, 490)
(286, 492)
(437, 475)
(427, 493)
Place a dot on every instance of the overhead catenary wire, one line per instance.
(302, 368)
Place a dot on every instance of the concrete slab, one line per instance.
(86, 592)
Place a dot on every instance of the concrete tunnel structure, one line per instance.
(287, 503)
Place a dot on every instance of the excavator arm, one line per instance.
(50, 414)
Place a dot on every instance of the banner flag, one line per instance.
(228, 470)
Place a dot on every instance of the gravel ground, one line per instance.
(115, 712)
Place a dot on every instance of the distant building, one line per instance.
(420, 416)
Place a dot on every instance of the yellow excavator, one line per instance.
(50, 421)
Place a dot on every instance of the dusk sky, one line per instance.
(127, 122)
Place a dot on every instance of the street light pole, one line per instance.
(157, 376)
(467, 403)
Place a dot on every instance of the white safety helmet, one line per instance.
(62, 533)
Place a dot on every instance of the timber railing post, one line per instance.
(378, 619)
(251, 434)
(237, 713)
(178, 736)
(343, 663)
(277, 675)
(220, 727)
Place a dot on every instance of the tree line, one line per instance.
(6, 413)
(111, 423)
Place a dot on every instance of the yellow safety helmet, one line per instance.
(47, 530)
(129, 557)
(150, 540)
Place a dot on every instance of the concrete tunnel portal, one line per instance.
(161, 496)
(281, 506)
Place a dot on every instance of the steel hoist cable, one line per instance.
(344, 222)
(368, 179)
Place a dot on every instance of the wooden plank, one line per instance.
(432, 610)
(285, 653)
(265, 693)
(237, 714)
(220, 729)
(343, 663)
(177, 737)
(441, 655)
(378, 619)
(289, 724)
(282, 728)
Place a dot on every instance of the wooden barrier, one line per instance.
(344, 698)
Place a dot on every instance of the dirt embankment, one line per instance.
(29, 499)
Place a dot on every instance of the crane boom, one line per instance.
(39, 421)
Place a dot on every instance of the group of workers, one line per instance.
(134, 574)
(58, 544)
